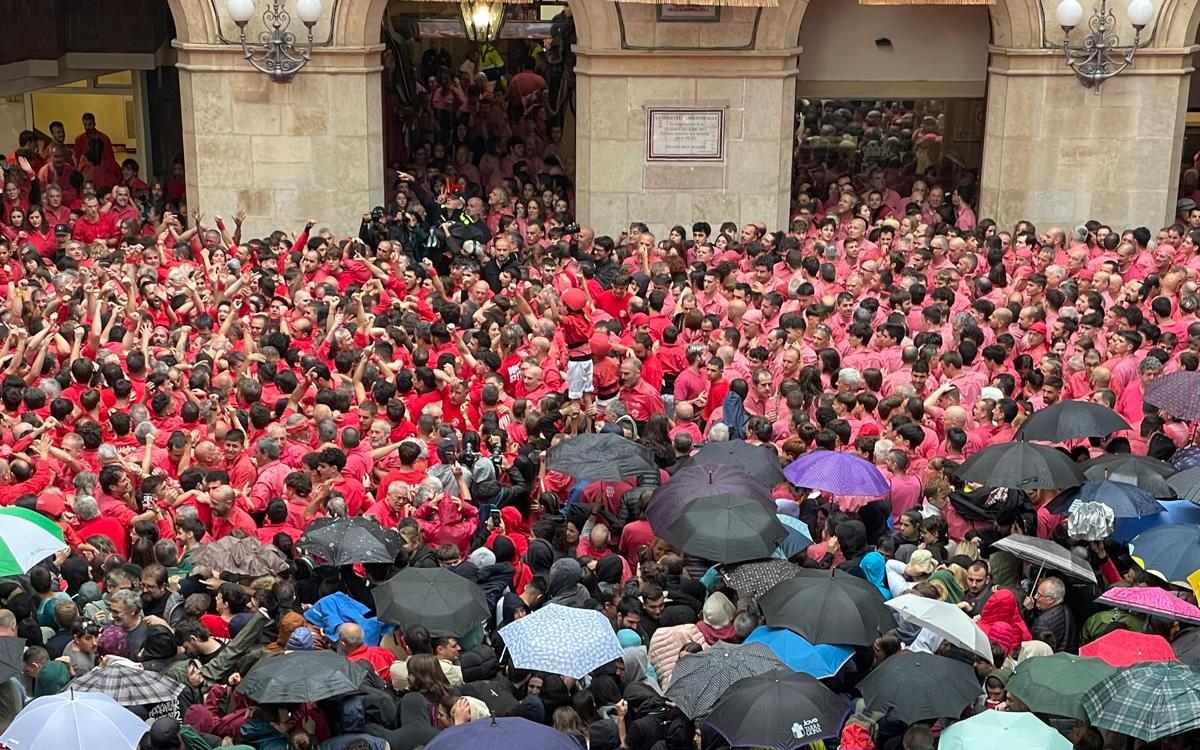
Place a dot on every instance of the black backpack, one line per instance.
(999, 504)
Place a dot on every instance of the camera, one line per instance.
(468, 458)
(572, 228)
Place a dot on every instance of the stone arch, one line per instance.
(1177, 24)
(1015, 23)
(356, 23)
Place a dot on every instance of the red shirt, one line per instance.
(380, 659)
(107, 527)
(105, 228)
(235, 519)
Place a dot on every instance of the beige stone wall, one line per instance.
(285, 153)
(1056, 152)
(615, 182)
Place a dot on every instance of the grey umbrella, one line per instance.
(699, 680)
(1046, 554)
(1144, 472)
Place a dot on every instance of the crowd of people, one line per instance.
(170, 382)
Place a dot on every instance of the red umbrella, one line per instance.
(1124, 648)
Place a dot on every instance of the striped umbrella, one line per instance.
(26, 538)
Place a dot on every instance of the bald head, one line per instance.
(955, 416)
(350, 637)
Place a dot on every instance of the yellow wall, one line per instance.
(69, 108)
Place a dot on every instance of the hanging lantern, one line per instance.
(482, 19)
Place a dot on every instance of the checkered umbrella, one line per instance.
(1147, 701)
(1178, 394)
(699, 680)
(129, 685)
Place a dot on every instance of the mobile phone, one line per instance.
(495, 517)
(148, 502)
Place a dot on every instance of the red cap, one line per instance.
(639, 319)
(52, 503)
(574, 298)
(1038, 327)
(600, 344)
(870, 429)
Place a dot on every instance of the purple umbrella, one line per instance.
(1178, 394)
(837, 473)
(508, 733)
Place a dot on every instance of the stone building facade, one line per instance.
(1053, 150)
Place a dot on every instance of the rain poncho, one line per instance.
(874, 566)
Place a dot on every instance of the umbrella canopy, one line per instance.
(1146, 701)
(1067, 420)
(1056, 684)
(75, 721)
(1126, 500)
(1187, 647)
(725, 528)
(1021, 466)
(1002, 729)
(442, 601)
(243, 557)
(1186, 484)
(129, 685)
(943, 619)
(778, 710)
(828, 608)
(919, 686)
(1171, 552)
(758, 461)
(758, 577)
(798, 538)
(699, 680)
(820, 661)
(26, 538)
(837, 473)
(509, 733)
(1124, 648)
(1046, 554)
(1152, 601)
(562, 640)
(1149, 474)
(345, 541)
(1178, 394)
(12, 651)
(601, 456)
(692, 482)
(301, 677)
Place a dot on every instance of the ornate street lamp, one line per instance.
(482, 19)
(1101, 56)
(276, 52)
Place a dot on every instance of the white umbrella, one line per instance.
(945, 620)
(1046, 554)
(74, 721)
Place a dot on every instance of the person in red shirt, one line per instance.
(352, 646)
(277, 522)
(330, 468)
(94, 226)
(95, 156)
(640, 398)
(226, 516)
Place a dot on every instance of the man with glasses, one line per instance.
(1048, 616)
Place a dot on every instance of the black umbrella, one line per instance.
(779, 709)
(832, 607)
(12, 651)
(1186, 484)
(694, 482)
(1021, 466)
(1067, 420)
(919, 686)
(725, 528)
(442, 601)
(1149, 474)
(601, 456)
(1187, 647)
(759, 461)
(301, 677)
(345, 541)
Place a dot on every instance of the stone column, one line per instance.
(1057, 153)
(615, 182)
(284, 152)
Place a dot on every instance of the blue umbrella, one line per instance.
(510, 733)
(1126, 500)
(1175, 512)
(798, 538)
(562, 640)
(821, 661)
(837, 473)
